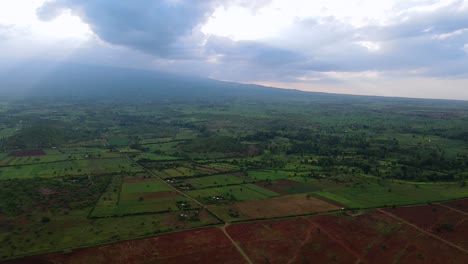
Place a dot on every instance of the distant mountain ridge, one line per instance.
(69, 79)
(38, 78)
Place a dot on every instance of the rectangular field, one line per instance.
(461, 205)
(139, 195)
(262, 175)
(375, 236)
(291, 205)
(442, 221)
(288, 241)
(375, 195)
(231, 193)
(214, 181)
(287, 186)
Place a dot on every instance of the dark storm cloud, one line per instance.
(154, 27)
(429, 43)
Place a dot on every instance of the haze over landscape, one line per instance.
(416, 48)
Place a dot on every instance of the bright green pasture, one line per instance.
(375, 195)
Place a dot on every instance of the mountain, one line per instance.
(68, 79)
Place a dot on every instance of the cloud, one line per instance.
(420, 38)
(155, 27)
(424, 40)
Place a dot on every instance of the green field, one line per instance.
(118, 141)
(75, 230)
(214, 181)
(128, 197)
(152, 185)
(270, 174)
(116, 170)
(374, 195)
(152, 156)
(232, 193)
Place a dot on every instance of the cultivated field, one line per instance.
(79, 173)
(291, 205)
(207, 245)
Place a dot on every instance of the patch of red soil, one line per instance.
(298, 204)
(461, 205)
(208, 245)
(457, 231)
(281, 241)
(378, 237)
(424, 216)
(446, 223)
(28, 152)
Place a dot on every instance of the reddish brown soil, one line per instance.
(446, 223)
(292, 240)
(461, 205)
(379, 238)
(459, 234)
(207, 245)
(297, 204)
(424, 216)
(28, 152)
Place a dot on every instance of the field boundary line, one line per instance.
(303, 243)
(241, 251)
(99, 244)
(177, 190)
(424, 231)
(244, 185)
(453, 209)
(354, 253)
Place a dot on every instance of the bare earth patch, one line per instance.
(283, 206)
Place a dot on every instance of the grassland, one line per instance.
(375, 195)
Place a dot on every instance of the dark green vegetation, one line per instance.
(99, 170)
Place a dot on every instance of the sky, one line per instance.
(408, 48)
